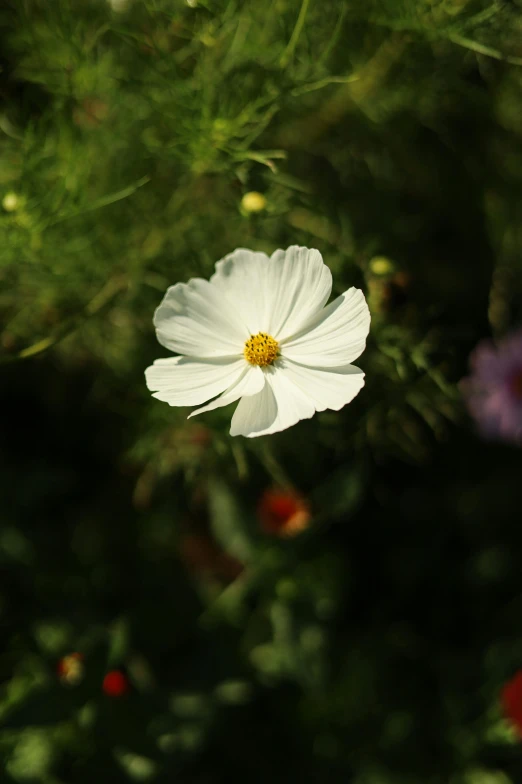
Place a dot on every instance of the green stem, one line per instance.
(479, 48)
(274, 468)
(107, 293)
(287, 54)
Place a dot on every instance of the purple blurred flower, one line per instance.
(493, 391)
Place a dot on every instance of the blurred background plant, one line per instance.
(341, 602)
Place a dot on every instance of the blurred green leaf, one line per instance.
(229, 521)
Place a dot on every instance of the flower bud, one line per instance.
(380, 265)
(11, 201)
(253, 202)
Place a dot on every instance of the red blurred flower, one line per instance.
(115, 684)
(70, 668)
(90, 113)
(202, 556)
(199, 436)
(283, 513)
(511, 700)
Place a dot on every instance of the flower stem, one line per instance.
(287, 54)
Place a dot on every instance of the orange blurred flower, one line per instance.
(283, 513)
(70, 668)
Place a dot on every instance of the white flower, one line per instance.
(258, 332)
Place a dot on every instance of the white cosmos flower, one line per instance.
(259, 332)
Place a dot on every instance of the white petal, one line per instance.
(198, 320)
(279, 405)
(242, 277)
(276, 295)
(184, 381)
(250, 382)
(331, 387)
(334, 337)
(299, 285)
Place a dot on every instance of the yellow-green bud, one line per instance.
(253, 202)
(380, 265)
(11, 201)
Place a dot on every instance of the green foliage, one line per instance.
(371, 648)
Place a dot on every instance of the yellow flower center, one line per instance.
(261, 349)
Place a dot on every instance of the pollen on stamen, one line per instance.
(261, 349)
